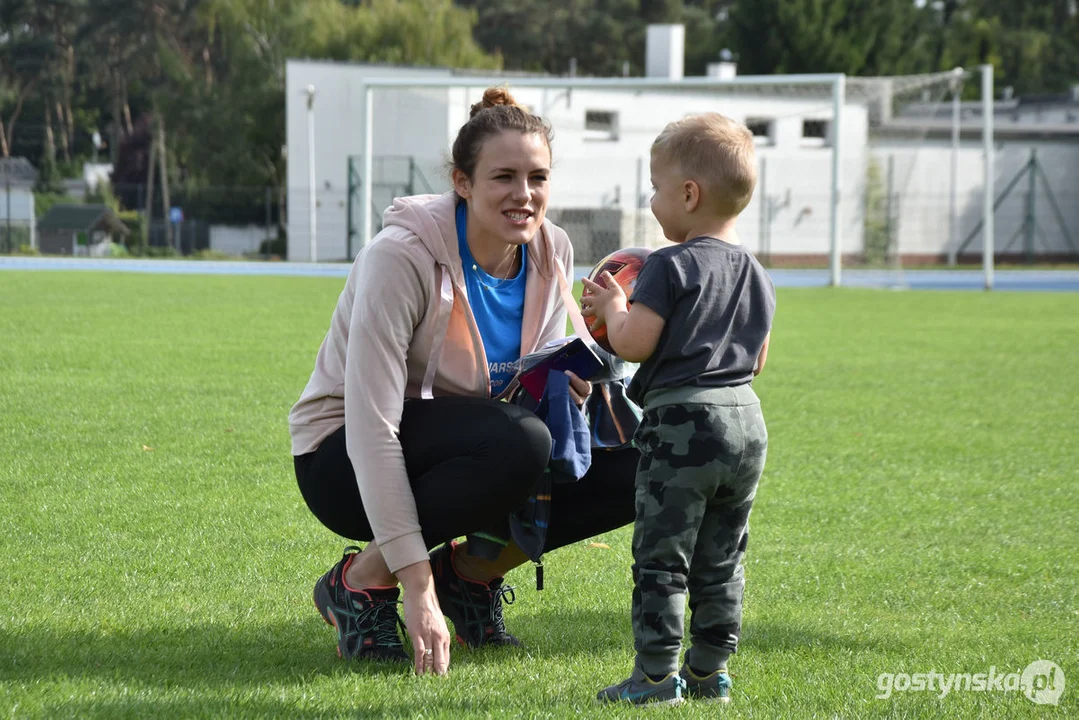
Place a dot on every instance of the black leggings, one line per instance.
(471, 462)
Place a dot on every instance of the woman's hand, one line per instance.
(579, 389)
(424, 621)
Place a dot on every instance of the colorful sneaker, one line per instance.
(474, 608)
(714, 687)
(366, 620)
(640, 689)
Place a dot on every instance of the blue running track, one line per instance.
(1005, 280)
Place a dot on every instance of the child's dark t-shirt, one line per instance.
(718, 303)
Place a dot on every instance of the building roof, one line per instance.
(82, 217)
(17, 170)
(936, 128)
(1035, 117)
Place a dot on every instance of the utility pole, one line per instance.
(313, 211)
(149, 193)
(164, 159)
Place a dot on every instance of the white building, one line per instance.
(17, 217)
(600, 183)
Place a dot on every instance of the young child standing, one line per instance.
(699, 324)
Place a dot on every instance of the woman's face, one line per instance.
(508, 191)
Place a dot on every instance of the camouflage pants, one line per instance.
(702, 454)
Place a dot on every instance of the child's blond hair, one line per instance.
(715, 152)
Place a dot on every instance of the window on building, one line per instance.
(601, 125)
(763, 130)
(815, 133)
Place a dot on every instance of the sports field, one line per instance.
(919, 513)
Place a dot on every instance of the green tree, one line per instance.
(60, 19)
(857, 37)
(26, 52)
(152, 43)
(229, 118)
(536, 36)
(1033, 46)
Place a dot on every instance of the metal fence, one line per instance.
(15, 235)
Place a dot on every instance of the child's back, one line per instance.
(719, 304)
(700, 325)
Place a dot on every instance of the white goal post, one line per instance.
(838, 84)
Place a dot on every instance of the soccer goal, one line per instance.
(822, 195)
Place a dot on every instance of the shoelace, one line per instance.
(380, 620)
(487, 608)
(505, 594)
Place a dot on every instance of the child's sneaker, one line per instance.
(714, 687)
(366, 620)
(474, 608)
(640, 689)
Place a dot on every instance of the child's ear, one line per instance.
(691, 195)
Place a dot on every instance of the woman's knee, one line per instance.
(524, 442)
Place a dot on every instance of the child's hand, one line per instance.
(600, 301)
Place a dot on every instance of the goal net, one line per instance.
(923, 182)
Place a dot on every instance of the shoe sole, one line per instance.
(706, 695)
(711, 700)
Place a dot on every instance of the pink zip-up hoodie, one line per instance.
(403, 328)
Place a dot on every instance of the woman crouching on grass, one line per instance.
(401, 437)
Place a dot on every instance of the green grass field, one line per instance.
(918, 513)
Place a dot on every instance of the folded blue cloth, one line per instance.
(571, 445)
(571, 456)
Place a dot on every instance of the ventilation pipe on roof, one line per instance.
(665, 52)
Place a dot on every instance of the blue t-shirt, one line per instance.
(498, 304)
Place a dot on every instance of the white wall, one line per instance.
(589, 171)
(922, 179)
(237, 240)
(402, 121)
(21, 200)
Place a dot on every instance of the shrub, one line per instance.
(133, 220)
(104, 195)
(878, 227)
(116, 250)
(275, 246)
(166, 251)
(19, 236)
(211, 254)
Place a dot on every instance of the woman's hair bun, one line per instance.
(492, 97)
